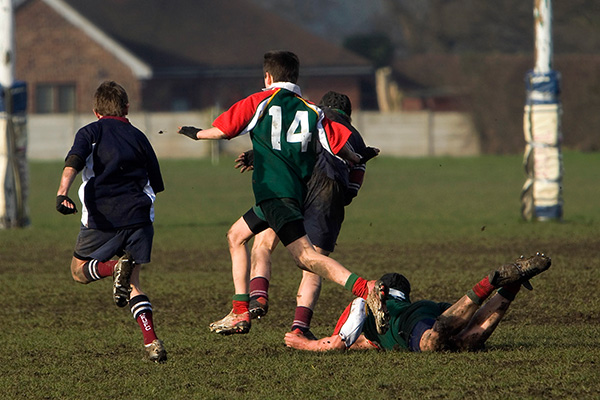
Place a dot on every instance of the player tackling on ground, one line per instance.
(284, 129)
(121, 177)
(426, 325)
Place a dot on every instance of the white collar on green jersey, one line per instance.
(286, 85)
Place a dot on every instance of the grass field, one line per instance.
(443, 222)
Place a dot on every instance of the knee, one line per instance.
(431, 341)
(304, 261)
(77, 271)
(234, 239)
(78, 276)
(447, 325)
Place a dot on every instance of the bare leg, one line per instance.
(452, 321)
(262, 248)
(238, 236)
(483, 324)
(310, 286)
(308, 259)
(306, 300)
(238, 320)
(136, 290)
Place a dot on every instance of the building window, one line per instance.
(54, 98)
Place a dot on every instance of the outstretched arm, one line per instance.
(200, 134)
(347, 333)
(301, 342)
(335, 342)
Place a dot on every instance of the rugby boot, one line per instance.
(378, 292)
(121, 280)
(520, 271)
(258, 307)
(232, 323)
(156, 351)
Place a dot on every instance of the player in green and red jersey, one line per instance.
(332, 187)
(284, 129)
(426, 325)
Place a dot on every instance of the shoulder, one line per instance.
(89, 132)
(92, 126)
(256, 98)
(249, 105)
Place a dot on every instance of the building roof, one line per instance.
(202, 37)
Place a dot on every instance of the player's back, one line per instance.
(284, 142)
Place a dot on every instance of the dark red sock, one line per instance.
(259, 287)
(106, 268)
(360, 288)
(141, 309)
(239, 307)
(146, 324)
(484, 288)
(481, 291)
(302, 318)
(95, 270)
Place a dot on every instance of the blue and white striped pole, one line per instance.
(541, 197)
(13, 129)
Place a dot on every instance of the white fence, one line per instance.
(400, 134)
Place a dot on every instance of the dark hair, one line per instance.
(283, 65)
(397, 281)
(111, 100)
(337, 101)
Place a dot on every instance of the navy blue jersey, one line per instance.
(334, 167)
(121, 175)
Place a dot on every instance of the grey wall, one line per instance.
(401, 134)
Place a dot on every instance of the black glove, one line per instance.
(61, 208)
(367, 153)
(189, 131)
(248, 158)
(245, 161)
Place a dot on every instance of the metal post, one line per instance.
(541, 197)
(13, 136)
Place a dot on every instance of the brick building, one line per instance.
(175, 56)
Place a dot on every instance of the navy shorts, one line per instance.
(103, 245)
(414, 343)
(323, 211)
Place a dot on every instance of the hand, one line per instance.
(189, 131)
(368, 153)
(245, 161)
(65, 205)
(296, 341)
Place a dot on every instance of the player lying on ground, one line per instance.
(332, 186)
(426, 325)
(284, 129)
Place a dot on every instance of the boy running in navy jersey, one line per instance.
(121, 176)
(284, 129)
